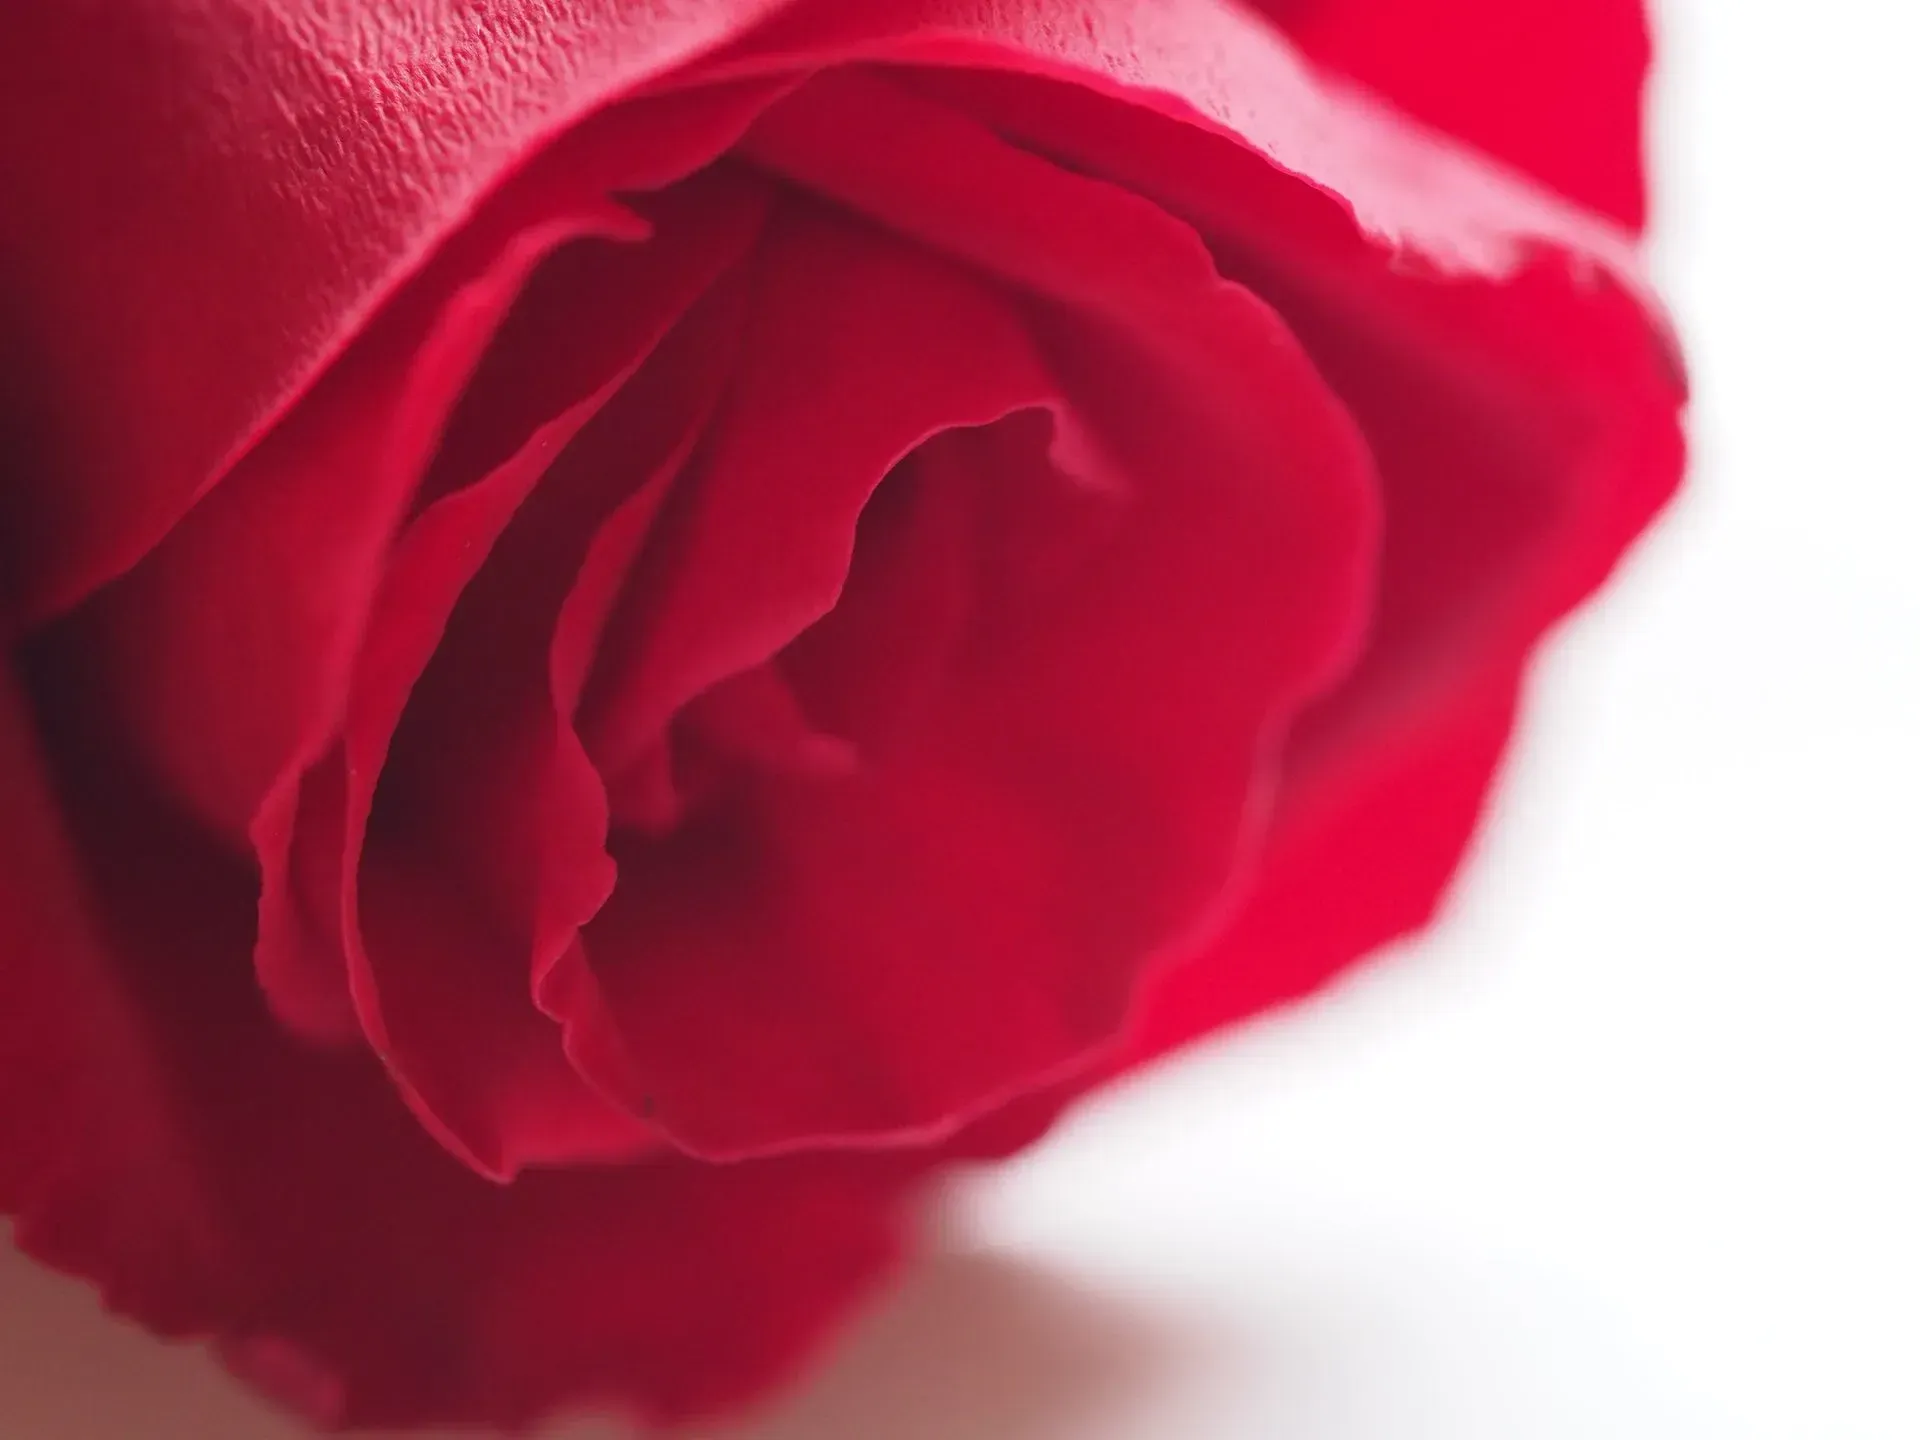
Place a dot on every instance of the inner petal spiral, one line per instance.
(881, 676)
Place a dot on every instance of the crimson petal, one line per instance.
(98, 1161)
(215, 1180)
(442, 904)
(1523, 411)
(819, 967)
(175, 293)
(1554, 89)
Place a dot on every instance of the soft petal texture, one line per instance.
(288, 550)
(749, 996)
(443, 907)
(1554, 88)
(838, 380)
(225, 146)
(1524, 422)
(466, 96)
(1347, 870)
(214, 1178)
(1055, 775)
(1525, 429)
(337, 207)
(96, 1163)
(1213, 67)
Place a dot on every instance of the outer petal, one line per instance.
(289, 551)
(1349, 869)
(1554, 88)
(1504, 522)
(208, 201)
(96, 1143)
(162, 1138)
(1525, 420)
(1211, 66)
(404, 188)
(474, 871)
(152, 237)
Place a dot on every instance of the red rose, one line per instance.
(706, 609)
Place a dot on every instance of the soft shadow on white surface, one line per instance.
(981, 1346)
(67, 1372)
(969, 1346)
(1323, 1329)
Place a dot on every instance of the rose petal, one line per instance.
(1521, 457)
(1525, 422)
(1526, 429)
(222, 194)
(1212, 67)
(191, 327)
(1348, 869)
(446, 889)
(822, 968)
(871, 668)
(835, 385)
(294, 960)
(289, 551)
(874, 960)
(349, 1283)
(754, 719)
(1196, 388)
(1554, 89)
(288, 554)
(97, 1155)
(859, 349)
(216, 1180)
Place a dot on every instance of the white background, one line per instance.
(1629, 1146)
